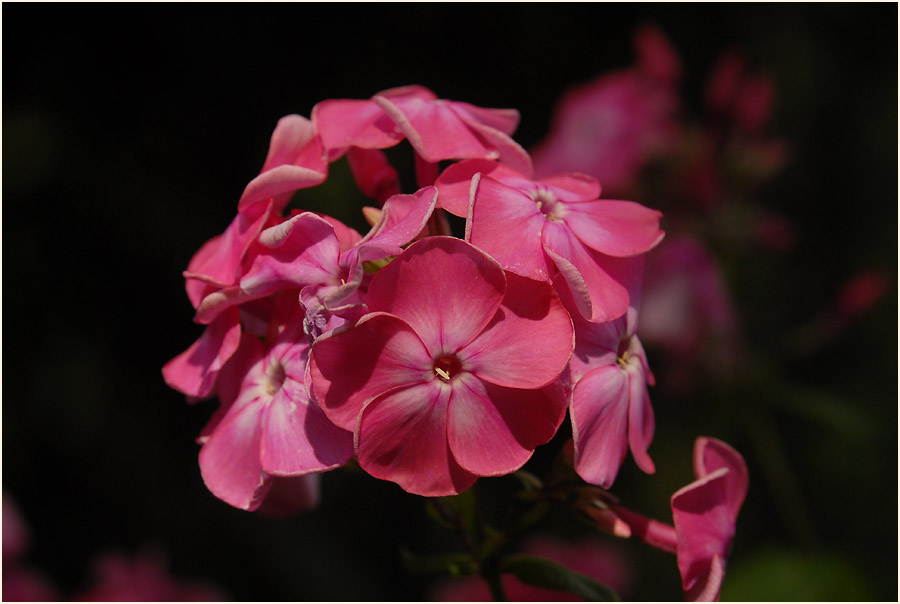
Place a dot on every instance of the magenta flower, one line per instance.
(441, 382)
(705, 513)
(611, 127)
(536, 228)
(609, 404)
(437, 129)
(267, 425)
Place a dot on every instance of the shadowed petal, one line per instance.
(704, 527)
(229, 461)
(599, 284)
(599, 412)
(402, 437)
(641, 422)
(494, 430)
(194, 371)
(299, 439)
(710, 454)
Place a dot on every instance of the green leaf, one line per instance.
(541, 572)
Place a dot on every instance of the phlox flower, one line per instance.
(267, 425)
(609, 404)
(437, 129)
(610, 127)
(705, 513)
(452, 373)
(536, 228)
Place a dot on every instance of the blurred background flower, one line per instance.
(768, 140)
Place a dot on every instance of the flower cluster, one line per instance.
(432, 360)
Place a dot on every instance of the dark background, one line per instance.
(129, 132)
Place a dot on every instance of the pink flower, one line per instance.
(536, 228)
(609, 404)
(441, 381)
(686, 307)
(142, 578)
(267, 425)
(437, 129)
(609, 128)
(21, 582)
(705, 513)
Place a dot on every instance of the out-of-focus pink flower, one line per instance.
(686, 309)
(705, 513)
(861, 293)
(118, 577)
(743, 96)
(536, 228)
(610, 127)
(267, 425)
(437, 129)
(21, 582)
(601, 561)
(441, 382)
(609, 405)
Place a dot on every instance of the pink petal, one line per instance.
(374, 176)
(229, 461)
(220, 264)
(293, 145)
(453, 183)
(710, 454)
(641, 422)
(599, 284)
(704, 528)
(615, 228)
(290, 495)
(299, 439)
(342, 123)
(351, 367)
(572, 186)
(444, 288)
(279, 183)
(403, 218)
(301, 251)
(194, 371)
(402, 437)
(507, 224)
(494, 430)
(433, 129)
(485, 122)
(599, 412)
(505, 353)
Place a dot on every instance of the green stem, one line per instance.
(493, 580)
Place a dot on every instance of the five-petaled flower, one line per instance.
(443, 380)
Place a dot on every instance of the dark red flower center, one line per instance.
(446, 367)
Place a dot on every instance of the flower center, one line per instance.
(623, 354)
(274, 377)
(446, 367)
(547, 204)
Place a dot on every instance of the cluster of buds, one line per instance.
(432, 360)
